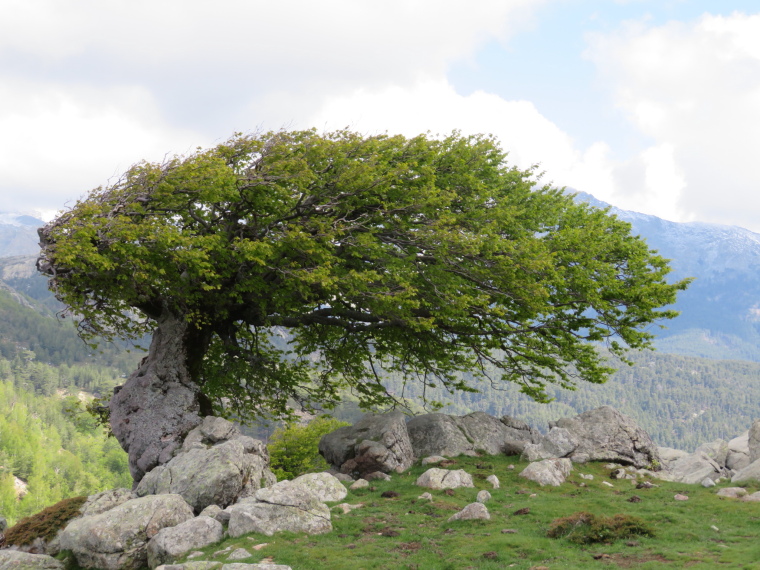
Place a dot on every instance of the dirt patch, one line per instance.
(636, 560)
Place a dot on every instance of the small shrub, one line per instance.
(294, 450)
(586, 528)
(44, 524)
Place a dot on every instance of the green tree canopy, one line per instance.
(421, 256)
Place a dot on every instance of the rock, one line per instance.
(377, 475)
(377, 442)
(117, 539)
(753, 441)
(753, 498)
(239, 554)
(105, 501)
(281, 507)
(548, 472)
(493, 480)
(750, 473)
(680, 497)
(707, 483)
(559, 442)
(432, 460)
(323, 485)
(442, 434)
(343, 477)
(668, 455)
(483, 497)
(216, 475)
(716, 450)
(347, 508)
(435, 478)
(359, 484)
(604, 434)
(607, 484)
(473, 511)
(171, 543)
(731, 492)
(738, 452)
(211, 511)
(691, 469)
(17, 560)
(587, 476)
(426, 497)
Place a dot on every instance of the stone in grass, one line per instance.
(548, 472)
(732, 492)
(707, 483)
(435, 478)
(377, 475)
(323, 485)
(359, 484)
(493, 480)
(433, 459)
(426, 497)
(753, 498)
(171, 543)
(483, 496)
(473, 511)
(680, 497)
(239, 554)
(15, 559)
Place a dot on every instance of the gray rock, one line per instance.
(552, 472)
(691, 469)
(323, 485)
(117, 539)
(432, 460)
(240, 566)
(731, 492)
(738, 452)
(377, 442)
(535, 452)
(753, 441)
(493, 480)
(716, 450)
(211, 511)
(750, 473)
(668, 455)
(211, 431)
(198, 565)
(604, 434)
(105, 501)
(217, 475)
(435, 478)
(359, 484)
(281, 507)
(171, 543)
(3, 524)
(239, 554)
(442, 434)
(377, 475)
(473, 511)
(17, 560)
(753, 498)
(483, 496)
(707, 483)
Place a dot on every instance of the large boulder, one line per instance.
(559, 442)
(18, 560)
(552, 472)
(738, 452)
(604, 434)
(377, 442)
(750, 473)
(436, 478)
(753, 442)
(716, 450)
(692, 469)
(216, 465)
(669, 455)
(172, 542)
(117, 539)
(324, 485)
(105, 501)
(450, 436)
(284, 506)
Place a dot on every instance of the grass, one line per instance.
(404, 532)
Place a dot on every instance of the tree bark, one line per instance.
(160, 402)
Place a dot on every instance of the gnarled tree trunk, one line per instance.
(160, 402)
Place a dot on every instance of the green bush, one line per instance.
(293, 450)
(586, 528)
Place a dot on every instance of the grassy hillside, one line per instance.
(393, 529)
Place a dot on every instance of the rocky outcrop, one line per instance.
(377, 442)
(473, 511)
(753, 441)
(738, 452)
(435, 478)
(216, 465)
(105, 501)
(604, 434)
(450, 436)
(692, 469)
(171, 543)
(552, 472)
(750, 473)
(117, 539)
(282, 507)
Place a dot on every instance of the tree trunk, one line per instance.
(159, 403)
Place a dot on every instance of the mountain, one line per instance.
(18, 234)
(720, 311)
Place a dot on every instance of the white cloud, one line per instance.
(694, 90)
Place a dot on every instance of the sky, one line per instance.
(650, 105)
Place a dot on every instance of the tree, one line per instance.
(419, 256)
